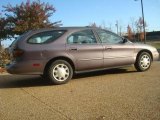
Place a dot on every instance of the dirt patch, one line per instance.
(2, 70)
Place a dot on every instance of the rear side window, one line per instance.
(13, 44)
(45, 37)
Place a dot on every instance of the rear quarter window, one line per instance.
(45, 37)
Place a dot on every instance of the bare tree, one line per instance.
(94, 25)
(133, 27)
(119, 27)
(139, 26)
(130, 34)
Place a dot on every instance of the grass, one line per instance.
(154, 43)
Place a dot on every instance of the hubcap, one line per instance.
(61, 72)
(145, 61)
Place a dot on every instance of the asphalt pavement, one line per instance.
(116, 94)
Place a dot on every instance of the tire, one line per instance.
(60, 72)
(43, 75)
(143, 62)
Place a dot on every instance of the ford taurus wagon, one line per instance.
(58, 53)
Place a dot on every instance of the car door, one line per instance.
(84, 49)
(116, 52)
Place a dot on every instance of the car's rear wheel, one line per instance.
(60, 72)
(143, 61)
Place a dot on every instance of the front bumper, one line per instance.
(156, 56)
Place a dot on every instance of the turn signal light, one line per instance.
(17, 53)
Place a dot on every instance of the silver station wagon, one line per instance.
(58, 53)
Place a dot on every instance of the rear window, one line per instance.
(45, 37)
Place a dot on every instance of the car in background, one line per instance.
(58, 53)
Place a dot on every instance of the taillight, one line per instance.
(17, 52)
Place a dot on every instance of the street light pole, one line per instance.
(143, 21)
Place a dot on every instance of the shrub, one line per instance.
(4, 57)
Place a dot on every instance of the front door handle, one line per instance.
(74, 49)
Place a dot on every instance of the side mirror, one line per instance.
(125, 40)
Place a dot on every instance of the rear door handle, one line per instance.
(108, 48)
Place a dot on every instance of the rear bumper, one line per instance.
(26, 67)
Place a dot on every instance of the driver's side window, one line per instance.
(108, 37)
(82, 37)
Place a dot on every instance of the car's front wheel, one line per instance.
(143, 61)
(60, 72)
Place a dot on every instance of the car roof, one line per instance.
(64, 28)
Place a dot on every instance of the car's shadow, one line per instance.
(103, 72)
(22, 81)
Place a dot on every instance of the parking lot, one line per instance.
(104, 95)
